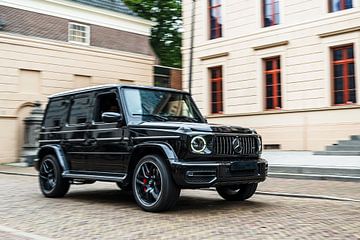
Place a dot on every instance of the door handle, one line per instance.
(91, 141)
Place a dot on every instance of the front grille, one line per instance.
(223, 145)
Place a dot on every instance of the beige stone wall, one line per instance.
(306, 33)
(32, 69)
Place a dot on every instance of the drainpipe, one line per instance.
(192, 44)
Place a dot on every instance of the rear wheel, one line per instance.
(153, 187)
(237, 193)
(52, 184)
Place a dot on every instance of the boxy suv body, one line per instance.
(151, 141)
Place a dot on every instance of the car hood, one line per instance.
(193, 127)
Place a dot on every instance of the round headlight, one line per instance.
(198, 144)
(259, 145)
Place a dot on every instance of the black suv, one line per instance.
(151, 141)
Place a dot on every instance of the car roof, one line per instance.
(109, 86)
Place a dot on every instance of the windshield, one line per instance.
(158, 105)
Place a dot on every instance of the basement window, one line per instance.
(272, 147)
(79, 33)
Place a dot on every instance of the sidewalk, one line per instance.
(282, 164)
(305, 165)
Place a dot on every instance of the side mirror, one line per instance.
(111, 117)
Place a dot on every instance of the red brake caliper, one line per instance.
(145, 181)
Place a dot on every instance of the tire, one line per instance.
(237, 193)
(52, 184)
(154, 189)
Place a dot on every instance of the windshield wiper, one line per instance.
(152, 115)
(185, 118)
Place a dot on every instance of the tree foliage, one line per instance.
(166, 34)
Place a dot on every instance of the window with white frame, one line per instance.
(79, 33)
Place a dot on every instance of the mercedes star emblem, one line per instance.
(237, 145)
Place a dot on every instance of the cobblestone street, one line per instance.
(101, 211)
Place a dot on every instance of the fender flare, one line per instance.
(164, 147)
(58, 151)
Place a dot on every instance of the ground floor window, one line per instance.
(343, 69)
(216, 89)
(272, 75)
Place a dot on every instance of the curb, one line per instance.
(19, 174)
(295, 195)
(314, 177)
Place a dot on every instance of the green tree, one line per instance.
(166, 34)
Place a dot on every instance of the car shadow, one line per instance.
(186, 204)
(110, 197)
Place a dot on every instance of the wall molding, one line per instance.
(9, 38)
(338, 32)
(271, 45)
(8, 117)
(217, 55)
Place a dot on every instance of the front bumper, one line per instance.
(207, 174)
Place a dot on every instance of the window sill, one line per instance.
(79, 43)
(348, 104)
(213, 41)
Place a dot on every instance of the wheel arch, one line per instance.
(55, 150)
(158, 148)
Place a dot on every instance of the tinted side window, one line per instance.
(105, 103)
(56, 113)
(79, 112)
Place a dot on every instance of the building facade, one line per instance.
(50, 46)
(290, 69)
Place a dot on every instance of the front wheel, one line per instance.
(237, 193)
(153, 187)
(52, 184)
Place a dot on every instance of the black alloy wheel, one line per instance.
(153, 187)
(237, 193)
(52, 184)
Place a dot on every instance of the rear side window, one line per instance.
(79, 112)
(56, 113)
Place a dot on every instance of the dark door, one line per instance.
(75, 132)
(109, 149)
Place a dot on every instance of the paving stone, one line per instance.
(101, 211)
